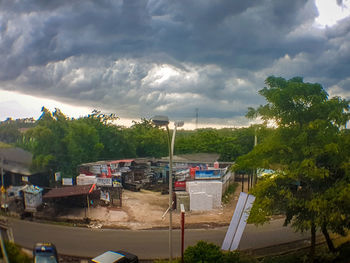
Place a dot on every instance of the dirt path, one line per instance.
(144, 210)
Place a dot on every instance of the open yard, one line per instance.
(144, 210)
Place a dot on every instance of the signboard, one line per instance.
(207, 174)
(105, 196)
(67, 181)
(180, 185)
(58, 176)
(25, 179)
(116, 182)
(238, 222)
(104, 182)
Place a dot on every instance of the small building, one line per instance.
(32, 198)
(73, 196)
(16, 164)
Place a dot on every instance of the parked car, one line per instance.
(116, 257)
(45, 253)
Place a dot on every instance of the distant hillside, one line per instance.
(11, 130)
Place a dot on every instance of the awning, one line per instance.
(70, 191)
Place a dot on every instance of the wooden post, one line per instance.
(182, 232)
(248, 181)
(2, 170)
(88, 205)
(3, 191)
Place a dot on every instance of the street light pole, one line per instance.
(170, 146)
(255, 179)
(171, 153)
(2, 171)
(164, 121)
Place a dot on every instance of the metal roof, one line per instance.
(69, 191)
(16, 160)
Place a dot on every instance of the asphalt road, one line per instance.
(147, 244)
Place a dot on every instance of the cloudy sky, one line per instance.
(139, 58)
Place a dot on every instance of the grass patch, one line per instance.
(15, 253)
(229, 193)
(5, 145)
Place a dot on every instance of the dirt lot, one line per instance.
(144, 210)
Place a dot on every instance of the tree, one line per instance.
(83, 145)
(309, 150)
(229, 143)
(115, 139)
(45, 142)
(149, 140)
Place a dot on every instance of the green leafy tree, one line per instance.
(83, 145)
(309, 150)
(115, 139)
(229, 143)
(149, 140)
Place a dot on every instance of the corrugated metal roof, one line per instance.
(16, 160)
(69, 191)
(17, 155)
(123, 161)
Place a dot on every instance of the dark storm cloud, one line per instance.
(139, 57)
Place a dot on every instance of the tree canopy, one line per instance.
(309, 150)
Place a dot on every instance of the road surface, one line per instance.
(147, 244)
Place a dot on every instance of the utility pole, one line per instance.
(2, 171)
(255, 173)
(2, 177)
(3, 191)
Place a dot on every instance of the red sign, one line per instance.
(180, 185)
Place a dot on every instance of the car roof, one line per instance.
(108, 257)
(44, 247)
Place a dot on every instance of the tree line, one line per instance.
(60, 143)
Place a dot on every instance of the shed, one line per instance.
(70, 191)
(78, 195)
(16, 163)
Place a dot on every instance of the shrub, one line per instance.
(203, 252)
(15, 254)
(237, 257)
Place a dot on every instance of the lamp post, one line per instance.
(164, 121)
(2, 182)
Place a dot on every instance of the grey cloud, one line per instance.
(110, 54)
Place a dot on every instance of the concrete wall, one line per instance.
(204, 195)
(227, 179)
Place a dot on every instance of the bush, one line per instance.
(15, 254)
(237, 257)
(203, 252)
